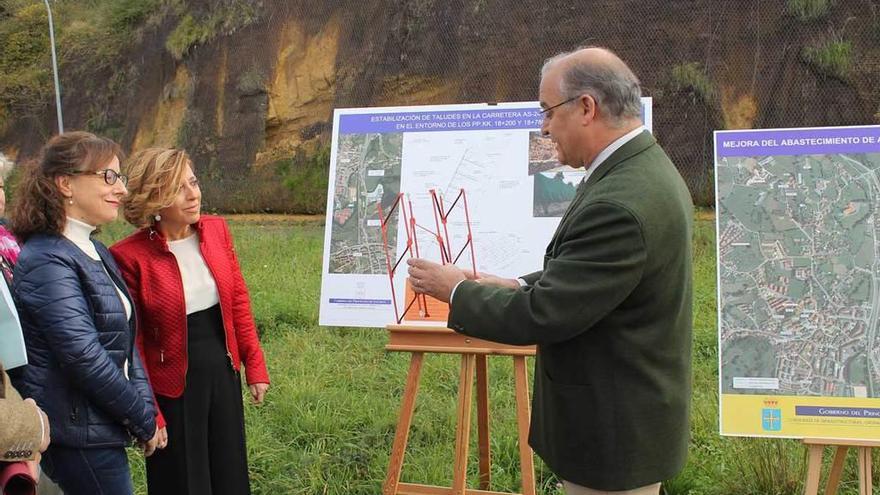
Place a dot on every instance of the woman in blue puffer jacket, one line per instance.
(83, 368)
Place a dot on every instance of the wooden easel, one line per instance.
(419, 339)
(814, 467)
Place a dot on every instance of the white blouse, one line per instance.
(199, 287)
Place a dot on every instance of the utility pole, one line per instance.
(55, 69)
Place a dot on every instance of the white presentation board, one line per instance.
(516, 193)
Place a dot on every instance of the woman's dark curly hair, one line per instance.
(38, 207)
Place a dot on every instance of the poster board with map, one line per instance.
(516, 191)
(798, 239)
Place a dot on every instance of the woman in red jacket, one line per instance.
(196, 327)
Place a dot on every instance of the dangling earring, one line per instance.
(157, 217)
(70, 200)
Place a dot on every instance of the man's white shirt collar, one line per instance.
(611, 148)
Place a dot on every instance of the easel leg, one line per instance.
(463, 427)
(407, 407)
(523, 413)
(483, 422)
(865, 482)
(814, 469)
(836, 470)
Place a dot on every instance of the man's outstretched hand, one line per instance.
(437, 280)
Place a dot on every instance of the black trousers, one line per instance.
(206, 452)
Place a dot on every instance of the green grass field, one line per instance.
(328, 421)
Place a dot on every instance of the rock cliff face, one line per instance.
(252, 104)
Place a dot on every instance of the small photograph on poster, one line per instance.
(554, 184)
(542, 154)
(367, 182)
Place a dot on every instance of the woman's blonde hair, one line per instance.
(154, 178)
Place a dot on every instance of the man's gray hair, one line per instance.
(615, 88)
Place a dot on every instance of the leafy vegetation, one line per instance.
(126, 15)
(832, 58)
(89, 36)
(808, 10)
(92, 36)
(194, 29)
(25, 77)
(692, 77)
(306, 176)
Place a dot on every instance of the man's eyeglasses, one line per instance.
(110, 175)
(545, 110)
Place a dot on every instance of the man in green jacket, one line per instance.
(611, 310)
